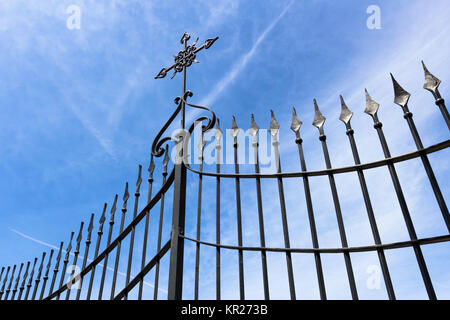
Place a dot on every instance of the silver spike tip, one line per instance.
(139, 179)
(274, 126)
(254, 128)
(401, 95)
(234, 128)
(319, 119)
(371, 105)
(166, 156)
(431, 82)
(296, 123)
(201, 143)
(151, 167)
(346, 113)
(218, 133)
(126, 195)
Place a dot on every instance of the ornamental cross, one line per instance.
(185, 57)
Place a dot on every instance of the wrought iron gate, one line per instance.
(31, 280)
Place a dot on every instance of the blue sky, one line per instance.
(80, 109)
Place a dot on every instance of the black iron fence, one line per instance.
(48, 278)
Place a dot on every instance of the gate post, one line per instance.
(178, 218)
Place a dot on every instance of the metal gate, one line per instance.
(48, 278)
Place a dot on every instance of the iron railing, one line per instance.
(32, 284)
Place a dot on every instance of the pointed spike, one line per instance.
(91, 225)
(234, 128)
(139, 179)
(102, 217)
(296, 123)
(126, 195)
(254, 128)
(151, 167)
(58, 258)
(371, 105)
(202, 142)
(346, 113)
(431, 82)
(69, 247)
(274, 126)
(210, 42)
(319, 119)
(113, 208)
(218, 133)
(166, 156)
(401, 95)
(80, 233)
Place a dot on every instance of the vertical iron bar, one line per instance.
(46, 274)
(234, 133)
(345, 117)
(428, 169)
(161, 217)
(105, 264)
(75, 260)
(401, 99)
(38, 277)
(136, 204)
(17, 282)
(295, 126)
(371, 109)
(30, 280)
(4, 282)
(151, 169)
(319, 120)
(254, 132)
(86, 253)
(218, 136)
(22, 285)
(274, 127)
(97, 247)
(55, 270)
(199, 214)
(65, 262)
(10, 283)
(119, 245)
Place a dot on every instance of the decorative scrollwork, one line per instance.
(157, 146)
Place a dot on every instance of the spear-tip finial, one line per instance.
(166, 157)
(218, 133)
(151, 166)
(114, 207)
(274, 125)
(431, 82)
(139, 179)
(346, 113)
(371, 105)
(319, 119)
(296, 122)
(401, 95)
(254, 128)
(80, 233)
(126, 195)
(234, 128)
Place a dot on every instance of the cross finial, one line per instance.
(185, 57)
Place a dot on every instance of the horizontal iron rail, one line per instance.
(140, 276)
(394, 245)
(364, 166)
(121, 236)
